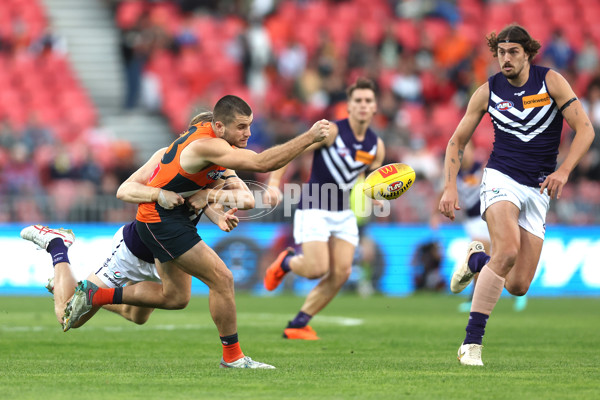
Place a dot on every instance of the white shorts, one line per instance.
(533, 206)
(476, 228)
(122, 266)
(318, 225)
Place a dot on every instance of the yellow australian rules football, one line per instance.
(389, 181)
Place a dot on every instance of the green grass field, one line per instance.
(375, 348)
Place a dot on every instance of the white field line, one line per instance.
(245, 318)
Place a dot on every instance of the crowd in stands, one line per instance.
(291, 60)
(54, 159)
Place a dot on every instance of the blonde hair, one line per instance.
(205, 116)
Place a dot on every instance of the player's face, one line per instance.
(237, 132)
(512, 59)
(362, 105)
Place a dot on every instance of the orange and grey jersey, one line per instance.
(169, 175)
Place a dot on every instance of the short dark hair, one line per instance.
(361, 83)
(228, 107)
(514, 33)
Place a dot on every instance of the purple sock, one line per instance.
(58, 250)
(300, 321)
(476, 328)
(477, 261)
(285, 264)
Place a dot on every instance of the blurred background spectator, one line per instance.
(291, 60)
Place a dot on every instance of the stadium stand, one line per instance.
(291, 62)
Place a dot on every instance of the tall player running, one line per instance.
(527, 104)
(324, 224)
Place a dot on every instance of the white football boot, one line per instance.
(462, 275)
(42, 235)
(50, 285)
(245, 362)
(470, 354)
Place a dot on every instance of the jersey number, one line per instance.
(172, 151)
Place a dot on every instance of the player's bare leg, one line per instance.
(172, 294)
(135, 314)
(56, 242)
(521, 275)
(341, 254)
(505, 234)
(466, 306)
(202, 262)
(64, 287)
(314, 261)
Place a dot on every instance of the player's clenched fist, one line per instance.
(320, 130)
(168, 199)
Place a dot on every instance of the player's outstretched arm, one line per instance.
(219, 152)
(456, 147)
(273, 194)
(573, 112)
(134, 189)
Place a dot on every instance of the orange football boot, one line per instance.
(275, 274)
(305, 333)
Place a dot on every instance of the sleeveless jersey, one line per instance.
(527, 126)
(336, 168)
(169, 175)
(467, 184)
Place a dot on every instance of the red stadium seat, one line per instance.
(308, 36)
(414, 117)
(129, 12)
(499, 15)
(437, 29)
(407, 33)
(471, 11)
(484, 134)
(340, 34)
(444, 119)
(372, 31)
(315, 14)
(574, 34)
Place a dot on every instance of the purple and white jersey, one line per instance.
(468, 182)
(336, 168)
(527, 126)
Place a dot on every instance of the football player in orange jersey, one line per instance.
(197, 158)
(124, 266)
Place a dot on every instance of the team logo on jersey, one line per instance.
(504, 105)
(215, 174)
(117, 274)
(536, 100)
(521, 93)
(343, 151)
